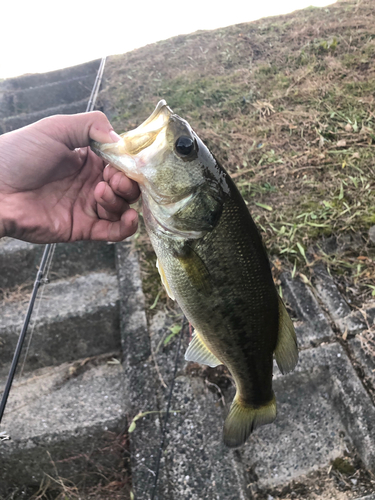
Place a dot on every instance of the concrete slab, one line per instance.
(60, 421)
(19, 261)
(140, 375)
(340, 402)
(362, 348)
(74, 318)
(196, 464)
(36, 79)
(354, 325)
(51, 94)
(323, 410)
(18, 121)
(312, 327)
(347, 321)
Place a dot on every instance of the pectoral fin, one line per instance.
(199, 352)
(164, 280)
(286, 352)
(195, 269)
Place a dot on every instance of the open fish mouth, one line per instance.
(128, 153)
(143, 136)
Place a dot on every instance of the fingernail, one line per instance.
(115, 137)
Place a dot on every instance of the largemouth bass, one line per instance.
(211, 260)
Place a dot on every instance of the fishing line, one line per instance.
(46, 261)
(157, 468)
(96, 86)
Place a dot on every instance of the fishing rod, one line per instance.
(48, 251)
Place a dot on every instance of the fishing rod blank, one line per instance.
(22, 336)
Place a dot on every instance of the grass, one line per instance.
(287, 105)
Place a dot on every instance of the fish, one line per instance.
(211, 260)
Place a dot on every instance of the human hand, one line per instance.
(53, 188)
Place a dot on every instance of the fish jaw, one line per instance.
(137, 148)
(116, 155)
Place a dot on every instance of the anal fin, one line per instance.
(199, 352)
(286, 352)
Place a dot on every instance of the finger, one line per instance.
(108, 200)
(103, 230)
(121, 184)
(76, 130)
(108, 215)
(105, 215)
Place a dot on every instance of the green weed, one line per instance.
(287, 108)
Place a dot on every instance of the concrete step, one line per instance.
(66, 416)
(51, 95)
(64, 421)
(38, 79)
(15, 122)
(312, 326)
(19, 261)
(324, 411)
(75, 318)
(345, 319)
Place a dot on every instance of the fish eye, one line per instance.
(184, 145)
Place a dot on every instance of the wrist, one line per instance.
(7, 222)
(6, 148)
(20, 220)
(2, 228)
(12, 216)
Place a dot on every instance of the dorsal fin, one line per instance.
(286, 352)
(199, 352)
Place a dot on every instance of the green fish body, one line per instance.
(211, 260)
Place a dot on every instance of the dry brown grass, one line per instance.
(287, 105)
(101, 483)
(344, 479)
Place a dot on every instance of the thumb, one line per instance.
(75, 131)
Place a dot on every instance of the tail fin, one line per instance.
(243, 419)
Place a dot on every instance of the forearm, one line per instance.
(9, 211)
(6, 221)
